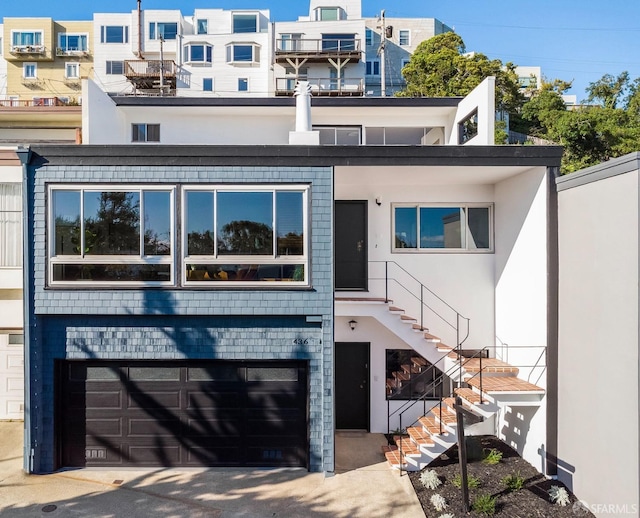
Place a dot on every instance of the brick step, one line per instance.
(432, 338)
(430, 424)
(393, 456)
(489, 365)
(419, 361)
(468, 395)
(407, 319)
(420, 436)
(446, 416)
(394, 309)
(410, 369)
(504, 384)
(408, 447)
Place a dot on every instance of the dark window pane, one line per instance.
(242, 52)
(112, 223)
(410, 376)
(153, 132)
(406, 231)
(202, 26)
(245, 223)
(245, 272)
(245, 23)
(441, 227)
(197, 52)
(112, 272)
(199, 213)
(114, 34)
(157, 223)
(339, 42)
(154, 373)
(272, 374)
(478, 227)
(66, 214)
(168, 31)
(289, 223)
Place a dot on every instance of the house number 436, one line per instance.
(301, 341)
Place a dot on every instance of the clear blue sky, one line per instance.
(578, 40)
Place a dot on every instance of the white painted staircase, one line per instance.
(485, 385)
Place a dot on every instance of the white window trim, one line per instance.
(34, 31)
(408, 31)
(66, 69)
(197, 26)
(252, 44)
(303, 260)
(465, 250)
(110, 259)
(146, 141)
(35, 70)
(125, 35)
(157, 34)
(67, 51)
(204, 62)
(250, 13)
(341, 14)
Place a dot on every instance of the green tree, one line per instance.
(439, 67)
(245, 238)
(608, 91)
(115, 228)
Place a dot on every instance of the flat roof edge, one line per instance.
(614, 167)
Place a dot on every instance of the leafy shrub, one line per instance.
(513, 482)
(484, 504)
(558, 495)
(430, 479)
(472, 482)
(492, 457)
(438, 502)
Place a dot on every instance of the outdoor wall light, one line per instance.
(353, 324)
(379, 200)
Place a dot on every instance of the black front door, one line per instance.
(351, 245)
(352, 386)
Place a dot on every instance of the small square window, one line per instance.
(404, 38)
(145, 133)
(72, 70)
(115, 67)
(207, 84)
(202, 26)
(243, 84)
(30, 70)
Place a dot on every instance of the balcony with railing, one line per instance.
(27, 49)
(38, 102)
(317, 50)
(71, 52)
(151, 75)
(323, 87)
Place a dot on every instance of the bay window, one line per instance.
(10, 225)
(442, 227)
(197, 53)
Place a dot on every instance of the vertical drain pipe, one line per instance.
(140, 56)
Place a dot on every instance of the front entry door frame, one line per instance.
(351, 246)
(352, 385)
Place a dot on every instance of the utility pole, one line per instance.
(161, 65)
(383, 41)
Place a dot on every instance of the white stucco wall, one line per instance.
(521, 300)
(598, 343)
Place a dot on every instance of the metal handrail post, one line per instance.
(421, 307)
(481, 377)
(386, 281)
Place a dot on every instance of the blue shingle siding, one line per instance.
(168, 324)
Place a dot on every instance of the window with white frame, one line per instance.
(290, 42)
(164, 30)
(202, 26)
(245, 22)
(329, 14)
(372, 68)
(30, 70)
(243, 84)
(245, 234)
(404, 37)
(114, 34)
(197, 53)
(243, 53)
(339, 135)
(442, 227)
(26, 38)
(72, 70)
(369, 37)
(10, 225)
(111, 235)
(68, 42)
(115, 67)
(145, 132)
(207, 84)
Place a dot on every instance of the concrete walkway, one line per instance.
(363, 486)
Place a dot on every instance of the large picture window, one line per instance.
(245, 235)
(111, 235)
(442, 227)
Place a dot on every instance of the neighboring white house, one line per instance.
(11, 285)
(598, 346)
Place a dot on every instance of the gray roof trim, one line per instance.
(614, 167)
(186, 155)
(391, 102)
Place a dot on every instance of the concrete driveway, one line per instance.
(363, 486)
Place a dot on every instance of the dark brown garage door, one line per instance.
(205, 413)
